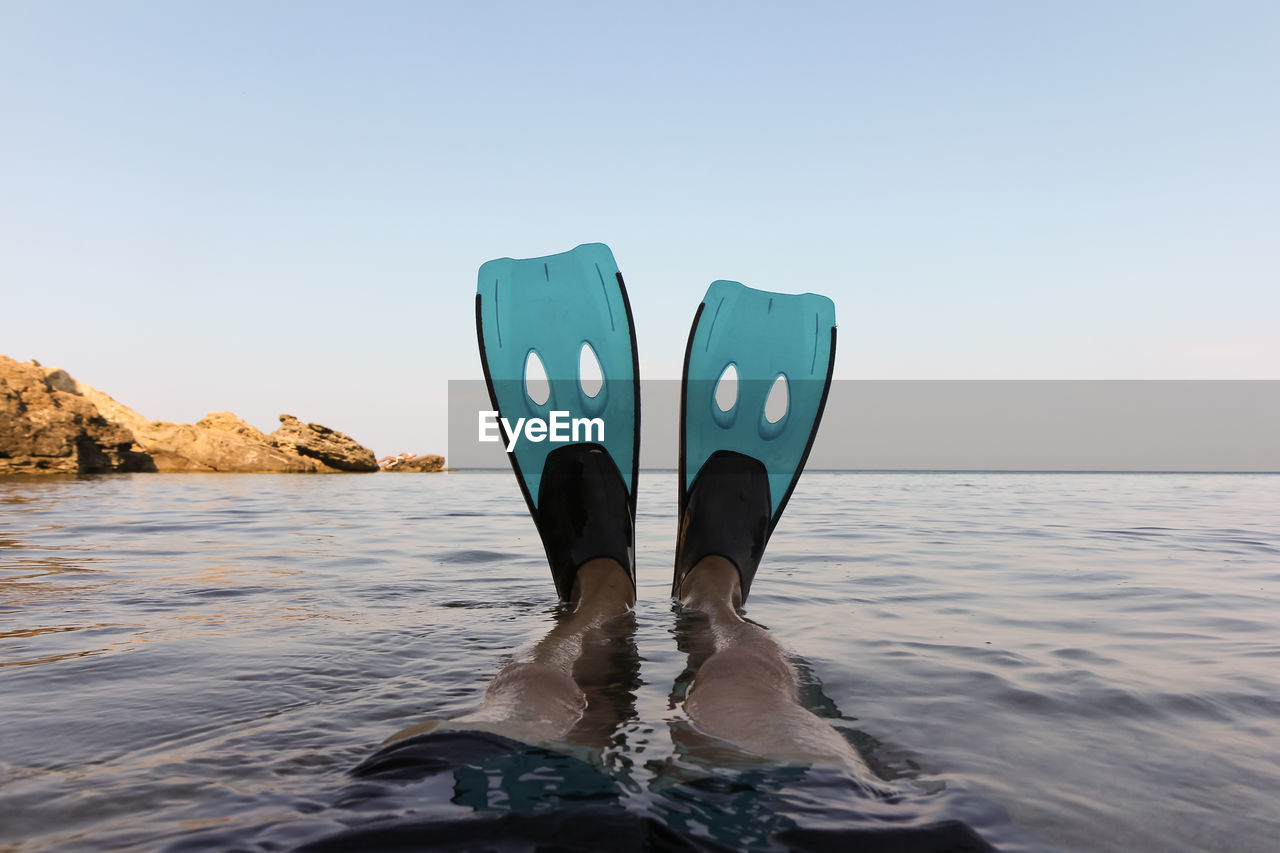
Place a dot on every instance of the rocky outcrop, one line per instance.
(111, 409)
(417, 465)
(50, 423)
(47, 429)
(192, 448)
(325, 445)
(228, 422)
(220, 442)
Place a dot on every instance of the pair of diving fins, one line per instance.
(757, 370)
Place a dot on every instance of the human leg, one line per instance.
(745, 691)
(743, 446)
(538, 697)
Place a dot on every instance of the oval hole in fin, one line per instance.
(775, 407)
(590, 374)
(727, 388)
(536, 386)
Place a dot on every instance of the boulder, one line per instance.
(318, 442)
(417, 465)
(46, 428)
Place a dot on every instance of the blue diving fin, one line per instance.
(567, 317)
(757, 370)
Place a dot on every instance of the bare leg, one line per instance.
(745, 692)
(537, 697)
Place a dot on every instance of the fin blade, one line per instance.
(553, 306)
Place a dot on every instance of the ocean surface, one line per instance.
(1082, 662)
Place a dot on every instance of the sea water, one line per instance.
(1075, 661)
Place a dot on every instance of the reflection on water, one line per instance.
(205, 657)
(608, 672)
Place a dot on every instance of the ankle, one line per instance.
(712, 585)
(603, 586)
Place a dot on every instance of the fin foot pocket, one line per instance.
(726, 514)
(584, 512)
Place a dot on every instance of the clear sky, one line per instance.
(281, 207)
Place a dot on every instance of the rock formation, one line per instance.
(46, 429)
(417, 465)
(219, 442)
(50, 423)
(329, 447)
(228, 422)
(191, 448)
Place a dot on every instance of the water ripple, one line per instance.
(214, 652)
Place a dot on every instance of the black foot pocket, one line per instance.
(727, 514)
(584, 512)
